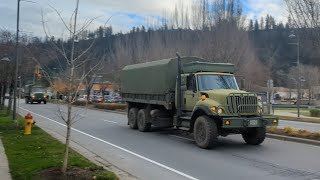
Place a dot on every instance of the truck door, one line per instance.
(191, 96)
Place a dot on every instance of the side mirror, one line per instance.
(194, 88)
(183, 88)
(242, 84)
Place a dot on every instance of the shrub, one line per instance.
(315, 112)
(287, 130)
(80, 103)
(111, 106)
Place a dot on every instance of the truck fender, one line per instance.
(199, 111)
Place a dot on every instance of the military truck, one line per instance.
(35, 93)
(192, 94)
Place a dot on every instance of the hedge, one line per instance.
(110, 106)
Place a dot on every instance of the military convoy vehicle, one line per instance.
(192, 94)
(35, 93)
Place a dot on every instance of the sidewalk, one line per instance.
(290, 114)
(4, 167)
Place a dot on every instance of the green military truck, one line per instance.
(35, 93)
(203, 98)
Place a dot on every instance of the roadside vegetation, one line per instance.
(315, 112)
(40, 156)
(288, 131)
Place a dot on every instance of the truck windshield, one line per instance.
(38, 89)
(216, 81)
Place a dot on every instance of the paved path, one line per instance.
(4, 167)
(168, 154)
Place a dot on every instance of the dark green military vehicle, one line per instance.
(203, 98)
(35, 93)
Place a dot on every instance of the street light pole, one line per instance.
(299, 71)
(299, 74)
(16, 67)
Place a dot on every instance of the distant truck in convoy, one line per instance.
(192, 94)
(35, 93)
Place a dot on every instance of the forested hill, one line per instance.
(260, 50)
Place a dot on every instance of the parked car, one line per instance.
(82, 98)
(97, 99)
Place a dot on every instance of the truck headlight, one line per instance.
(33, 96)
(213, 108)
(220, 111)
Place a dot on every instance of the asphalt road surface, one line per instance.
(168, 154)
(312, 127)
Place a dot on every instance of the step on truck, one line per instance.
(192, 94)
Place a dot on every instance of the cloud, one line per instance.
(125, 13)
(260, 8)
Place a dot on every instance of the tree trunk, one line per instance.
(66, 150)
(10, 100)
(1, 95)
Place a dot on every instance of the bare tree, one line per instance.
(75, 70)
(305, 15)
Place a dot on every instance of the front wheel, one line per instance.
(205, 132)
(254, 136)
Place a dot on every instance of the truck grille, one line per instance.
(38, 95)
(242, 103)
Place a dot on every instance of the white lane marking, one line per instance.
(182, 138)
(121, 148)
(111, 121)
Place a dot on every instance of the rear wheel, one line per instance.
(143, 120)
(254, 136)
(132, 118)
(205, 132)
(44, 102)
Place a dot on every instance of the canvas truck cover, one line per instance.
(159, 77)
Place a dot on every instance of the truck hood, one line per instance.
(221, 94)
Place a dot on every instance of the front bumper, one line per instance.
(241, 122)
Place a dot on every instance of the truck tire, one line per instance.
(132, 118)
(142, 120)
(205, 132)
(254, 136)
(44, 102)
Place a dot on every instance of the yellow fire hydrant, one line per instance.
(28, 124)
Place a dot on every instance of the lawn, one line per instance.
(29, 155)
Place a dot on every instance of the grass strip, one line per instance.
(29, 155)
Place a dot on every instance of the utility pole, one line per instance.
(16, 67)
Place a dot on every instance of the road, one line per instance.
(312, 127)
(167, 154)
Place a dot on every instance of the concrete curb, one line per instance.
(293, 139)
(4, 166)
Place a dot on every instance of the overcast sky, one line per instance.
(126, 13)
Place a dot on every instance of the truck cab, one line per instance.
(35, 93)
